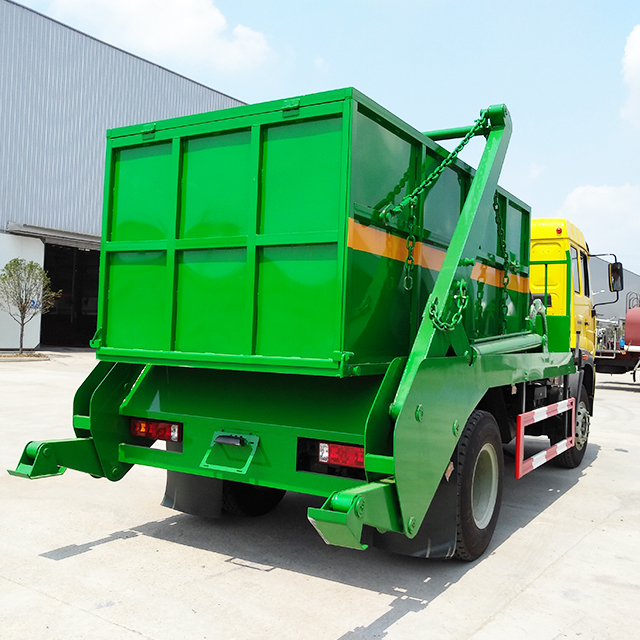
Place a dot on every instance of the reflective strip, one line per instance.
(525, 419)
(386, 245)
(544, 456)
(545, 412)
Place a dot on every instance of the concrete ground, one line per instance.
(85, 558)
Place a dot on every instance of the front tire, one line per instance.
(571, 458)
(480, 478)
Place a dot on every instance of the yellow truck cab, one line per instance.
(566, 282)
(551, 239)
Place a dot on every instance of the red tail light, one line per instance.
(156, 430)
(342, 455)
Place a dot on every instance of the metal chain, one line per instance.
(460, 298)
(412, 198)
(391, 196)
(480, 286)
(502, 252)
(411, 243)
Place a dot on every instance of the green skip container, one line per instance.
(251, 239)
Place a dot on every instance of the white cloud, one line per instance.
(609, 217)
(321, 65)
(631, 77)
(189, 32)
(535, 170)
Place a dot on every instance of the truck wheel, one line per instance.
(571, 458)
(480, 475)
(241, 499)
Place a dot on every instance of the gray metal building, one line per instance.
(607, 307)
(59, 91)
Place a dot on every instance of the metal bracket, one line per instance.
(291, 108)
(46, 459)
(223, 439)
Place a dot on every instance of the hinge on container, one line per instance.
(342, 356)
(291, 108)
(149, 131)
(96, 341)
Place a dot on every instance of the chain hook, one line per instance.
(411, 243)
(460, 298)
(413, 198)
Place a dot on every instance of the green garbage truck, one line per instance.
(310, 295)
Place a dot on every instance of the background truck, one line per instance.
(310, 295)
(618, 340)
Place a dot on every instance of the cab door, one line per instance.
(581, 277)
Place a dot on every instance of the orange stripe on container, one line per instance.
(493, 277)
(380, 243)
(430, 257)
(386, 245)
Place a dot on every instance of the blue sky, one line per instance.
(569, 71)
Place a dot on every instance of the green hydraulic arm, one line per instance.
(430, 341)
(98, 427)
(341, 519)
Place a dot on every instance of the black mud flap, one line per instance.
(437, 535)
(196, 495)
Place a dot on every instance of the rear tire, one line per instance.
(480, 472)
(240, 499)
(571, 458)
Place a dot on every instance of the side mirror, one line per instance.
(616, 276)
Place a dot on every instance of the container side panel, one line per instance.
(443, 204)
(385, 165)
(298, 290)
(487, 239)
(301, 176)
(488, 300)
(518, 240)
(381, 163)
(377, 306)
(144, 194)
(138, 310)
(514, 235)
(210, 313)
(217, 186)
(482, 315)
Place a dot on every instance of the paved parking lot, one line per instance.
(85, 558)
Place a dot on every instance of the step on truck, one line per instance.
(310, 295)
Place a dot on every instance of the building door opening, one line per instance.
(72, 321)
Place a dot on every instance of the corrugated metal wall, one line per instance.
(59, 92)
(601, 294)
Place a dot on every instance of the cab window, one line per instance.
(585, 273)
(575, 270)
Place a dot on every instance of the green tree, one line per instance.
(25, 292)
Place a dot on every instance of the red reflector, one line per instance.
(342, 455)
(156, 430)
(558, 230)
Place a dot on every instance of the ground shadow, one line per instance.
(64, 352)
(284, 539)
(619, 386)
